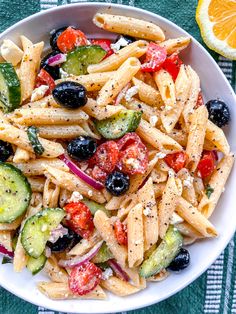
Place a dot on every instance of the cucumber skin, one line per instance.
(32, 133)
(105, 127)
(13, 83)
(103, 255)
(28, 189)
(93, 207)
(31, 226)
(81, 57)
(35, 265)
(163, 254)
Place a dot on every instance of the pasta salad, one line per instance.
(110, 161)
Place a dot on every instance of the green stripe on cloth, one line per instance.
(214, 291)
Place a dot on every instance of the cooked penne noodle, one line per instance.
(105, 229)
(85, 244)
(36, 183)
(157, 138)
(162, 275)
(54, 271)
(45, 102)
(64, 196)
(50, 194)
(114, 85)
(146, 197)
(41, 116)
(197, 131)
(61, 291)
(37, 167)
(118, 286)
(148, 94)
(188, 189)
(193, 95)
(113, 62)
(216, 135)
(194, 217)
(92, 82)
(166, 87)
(25, 42)
(216, 183)
(135, 235)
(21, 155)
(73, 183)
(133, 274)
(28, 69)
(175, 45)
(188, 231)
(167, 205)
(129, 26)
(18, 137)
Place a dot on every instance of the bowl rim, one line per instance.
(230, 234)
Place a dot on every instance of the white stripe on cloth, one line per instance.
(229, 275)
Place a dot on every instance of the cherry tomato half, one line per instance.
(176, 161)
(84, 278)
(44, 78)
(80, 219)
(70, 38)
(98, 174)
(105, 44)
(120, 232)
(172, 65)
(106, 156)
(133, 154)
(206, 165)
(155, 56)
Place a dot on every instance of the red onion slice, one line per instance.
(118, 270)
(82, 175)
(79, 260)
(5, 252)
(57, 59)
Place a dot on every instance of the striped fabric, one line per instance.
(213, 292)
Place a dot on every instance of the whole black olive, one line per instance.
(82, 148)
(218, 112)
(5, 150)
(65, 243)
(181, 261)
(70, 95)
(117, 183)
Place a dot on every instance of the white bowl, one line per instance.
(214, 84)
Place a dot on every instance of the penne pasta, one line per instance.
(25, 42)
(166, 87)
(105, 229)
(175, 45)
(36, 183)
(135, 235)
(21, 155)
(45, 102)
(216, 183)
(113, 86)
(119, 287)
(216, 136)
(85, 244)
(113, 62)
(129, 26)
(99, 112)
(55, 272)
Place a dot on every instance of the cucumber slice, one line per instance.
(15, 193)
(120, 124)
(163, 254)
(79, 59)
(93, 207)
(37, 229)
(10, 92)
(36, 264)
(103, 255)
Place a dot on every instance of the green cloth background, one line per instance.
(214, 291)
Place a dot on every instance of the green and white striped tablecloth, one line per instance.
(215, 290)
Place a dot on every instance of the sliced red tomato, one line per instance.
(98, 174)
(71, 38)
(172, 65)
(176, 161)
(105, 44)
(106, 156)
(155, 57)
(44, 78)
(84, 278)
(133, 156)
(80, 219)
(200, 101)
(206, 165)
(121, 232)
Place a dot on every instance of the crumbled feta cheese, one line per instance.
(11, 52)
(90, 193)
(75, 197)
(223, 189)
(134, 163)
(131, 92)
(39, 92)
(176, 219)
(107, 273)
(153, 120)
(171, 173)
(57, 233)
(120, 43)
(147, 211)
(48, 252)
(138, 242)
(188, 182)
(63, 73)
(168, 107)
(44, 227)
(160, 155)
